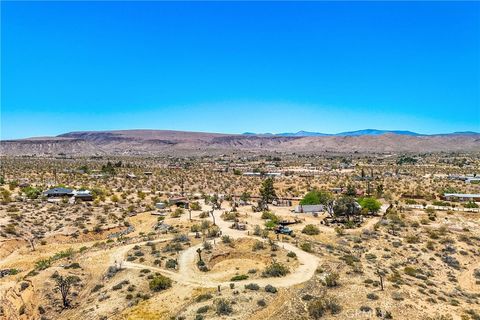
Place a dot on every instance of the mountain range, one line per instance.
(168, 142)
(370, 132)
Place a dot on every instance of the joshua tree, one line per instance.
(213, 216)
(64, 284)
(199, 251)
(380, 273)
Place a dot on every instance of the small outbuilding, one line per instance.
(309, 208)
(58, 192)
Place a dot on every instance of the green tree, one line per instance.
(317, 197)
(371, 205)
(346, 206)
(267, 191)
(108, 168)
(245, 197)
(351, 191)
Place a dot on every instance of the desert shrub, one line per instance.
(261, 303)
(180, 238)
(411, 271)
(311, 230)
(271, 289)
(23, 286)
(306, 246)
(239, 277)
(252, 286)
(177, 213)
(397, 296)
(307, 297)
(97, 287)
(207, 245)
(171, 264)
(120, 285)
(227, 239)
(267, 215)
(451, 261)
(349, 259)
(476, 273)
(276, 269)
(229, 216)
(372, 296)
(319, 306)
(257, 231)
(203, 309)
(173, 247)
(223, 307)
(258, 245)
(195, 206)
(340, 231)
(159, 283)
(42, 264)
(412, 238)
(331, 279)
(203, 297)
(291, 254)
(213, 232)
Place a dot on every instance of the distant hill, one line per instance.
(371, 132)
(157, 142)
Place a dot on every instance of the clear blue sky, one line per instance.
(239, 66)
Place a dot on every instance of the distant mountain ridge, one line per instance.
(169, 142)
(364, 132)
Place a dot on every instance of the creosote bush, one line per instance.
(159, 283)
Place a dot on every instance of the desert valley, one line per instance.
(199, 226)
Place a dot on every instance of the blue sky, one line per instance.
(239, 66)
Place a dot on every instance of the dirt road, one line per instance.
(188, 273)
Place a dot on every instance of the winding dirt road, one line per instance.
(188, 273)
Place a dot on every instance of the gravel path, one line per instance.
(188, 273)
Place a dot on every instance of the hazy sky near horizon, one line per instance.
(239, 66)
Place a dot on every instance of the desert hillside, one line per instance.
(146, 142)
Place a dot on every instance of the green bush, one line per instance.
(311, 230)
(318, 307)
(252, 286)
(223, 307)
(306, 246)
(276, 269)
(239, 277)
(203, 297)
(203, 309)
(159, 283)
(271, 289)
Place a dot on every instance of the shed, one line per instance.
(309, 208)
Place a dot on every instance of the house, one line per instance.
(179, 202)
(58, 192)
(84, 195)
(252, 174)
(309, 208)
(461, 197)
(273, 174)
